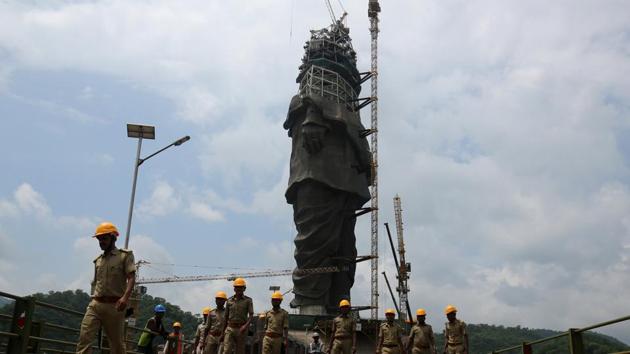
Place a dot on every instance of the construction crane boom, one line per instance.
(232, 276)
(373, 9)
(404, 267)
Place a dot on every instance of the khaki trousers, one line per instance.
(102, 314)
(416, 350)
(212, 345)
(390, 350)
(234, 341)
(342, 346)
(271, 345)
(455, 349)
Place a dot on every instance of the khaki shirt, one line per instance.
(455, 332)
(390, 332)
(422, 336)
(201, 329)
(239, 310)
(344, 326)
(216, 321)
(110, 273)
(276, 321)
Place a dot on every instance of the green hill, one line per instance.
(483, 338)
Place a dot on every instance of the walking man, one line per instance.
(343, 338)
(175, 341)
(239, 313)
(421, 338)
(216, 324)
(276, 327)
(114, 278)
(455, 335)
(201, 329)
(389, 335)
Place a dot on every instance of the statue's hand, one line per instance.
(313, 135)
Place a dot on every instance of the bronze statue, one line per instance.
(330, 169)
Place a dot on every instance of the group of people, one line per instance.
(224, 329)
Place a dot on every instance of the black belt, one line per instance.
(390, 345)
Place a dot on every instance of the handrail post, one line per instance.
(576, 345)
(527, 348)
(21, 325)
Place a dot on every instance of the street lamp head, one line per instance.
(181, 140)
(141, 131)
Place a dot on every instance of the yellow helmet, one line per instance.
(276, 296)
(239, 282)
(220, 295)
(106, 228)
(390, 312)
(177, 324)
(344, 303)
(421, 312)
(449, 309)
(206, 311)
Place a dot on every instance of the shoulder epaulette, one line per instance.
(96, 259)
(125, 250)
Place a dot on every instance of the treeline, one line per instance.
(78, 300)
(485, 338)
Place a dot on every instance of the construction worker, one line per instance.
(153, 327)
(421, 337)
(344, 338)
(239, 313)
(316, 346)
(216, 324)
(276, 327)
(114, 278)
(389, 335)
(175, 341)
(455, 335)
(201, 329)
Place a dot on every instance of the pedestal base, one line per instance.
(316, 310)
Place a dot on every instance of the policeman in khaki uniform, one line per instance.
(114, 278)
(455, 335)
(239, 313)
(344, 338)
(201, 330)
(216, 324)
(389, 335)
(421, 337)
(276, 327)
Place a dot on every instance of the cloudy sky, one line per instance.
(504, 127)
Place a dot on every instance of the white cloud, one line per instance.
(163, 200)
(30, 201)
(205, 212)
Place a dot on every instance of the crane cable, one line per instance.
(330, 11)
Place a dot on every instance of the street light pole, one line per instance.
(133, 191)
(143, 132)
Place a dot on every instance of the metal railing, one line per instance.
(26, 334)
(574, 336)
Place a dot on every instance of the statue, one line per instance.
(330, 169)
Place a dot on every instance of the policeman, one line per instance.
(421, 338)
(154, 326)
(239, 313)
(216, 324)
(201, 329)
(276, 327)
(344, 338)
(389, 335)
(114, 278)
(455, 335)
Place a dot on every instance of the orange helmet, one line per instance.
(206, 311)
(276, 296)
(344, 303)
(239, 282)
(421, 312)
(106, 228)
(449, 309)
(390, 312)
(220, 295)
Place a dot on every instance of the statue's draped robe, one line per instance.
(325, 189)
